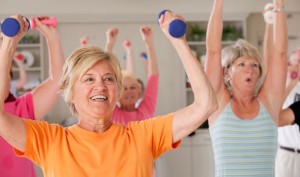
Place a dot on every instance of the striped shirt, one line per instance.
(244, 147)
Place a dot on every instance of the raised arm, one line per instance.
(22, 80)
(48, 90)
(268, 15)
(129, 57)
(111, 37)
(277, 67)
(12, 129)
(147, 36)
(191, 117)
(213, 67)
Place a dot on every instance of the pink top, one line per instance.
(147, 107)
(10, 164)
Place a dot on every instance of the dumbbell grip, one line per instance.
(49, 22)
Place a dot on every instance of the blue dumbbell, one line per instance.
(10, 27)
(177, 28)
(144, 55)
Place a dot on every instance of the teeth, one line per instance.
(99, 97)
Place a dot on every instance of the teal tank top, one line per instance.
(244, 147)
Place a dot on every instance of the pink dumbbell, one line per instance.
(294, 75)
(19, 56)
(127, 43)
(49, 22)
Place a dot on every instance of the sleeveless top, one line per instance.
(244, 147)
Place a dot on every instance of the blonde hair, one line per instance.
(241, 48)
(127, 74)
(81, 60)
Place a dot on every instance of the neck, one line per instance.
(128, 108)
(243, 101)
(100, 125)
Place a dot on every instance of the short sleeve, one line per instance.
(157, 132)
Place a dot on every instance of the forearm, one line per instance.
(23, 77)
(6, 54)
(109, 47)
(152, 59)
(267, 45)
(295, 107)
(13, 130)
(199, 82)
(280, 29)
(286, 117)
(129, 61)
(214, 28)
(56, 59)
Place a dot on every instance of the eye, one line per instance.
(241, 64)
(88, 80)
(110, 79)
(255, 65)
(132, 87)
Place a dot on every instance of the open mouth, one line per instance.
(249, 80)
(98, 97)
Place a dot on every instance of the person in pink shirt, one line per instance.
(33, 105)
(131, 89)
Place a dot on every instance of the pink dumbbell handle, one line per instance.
(49, 22)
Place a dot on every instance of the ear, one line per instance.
(227, 78)
(226, 74)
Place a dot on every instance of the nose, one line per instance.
(99, 85)
(249, 69)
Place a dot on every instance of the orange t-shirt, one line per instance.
(120, 151)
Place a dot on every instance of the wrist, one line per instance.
(279, 9)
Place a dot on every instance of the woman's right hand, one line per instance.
(165, 20)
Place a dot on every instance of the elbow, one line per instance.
(280, 49)
(209, 103)
(212, 106)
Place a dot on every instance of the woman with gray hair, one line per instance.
(95, 146)
(244, 127)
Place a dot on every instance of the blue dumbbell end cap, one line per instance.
(144, 55)
(161, 13)
(10, 27)
(177, 28)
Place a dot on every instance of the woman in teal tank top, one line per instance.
(244, 128)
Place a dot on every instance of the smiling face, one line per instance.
(96, 91)
(244, 74)
(80, 64)
(131, 92)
